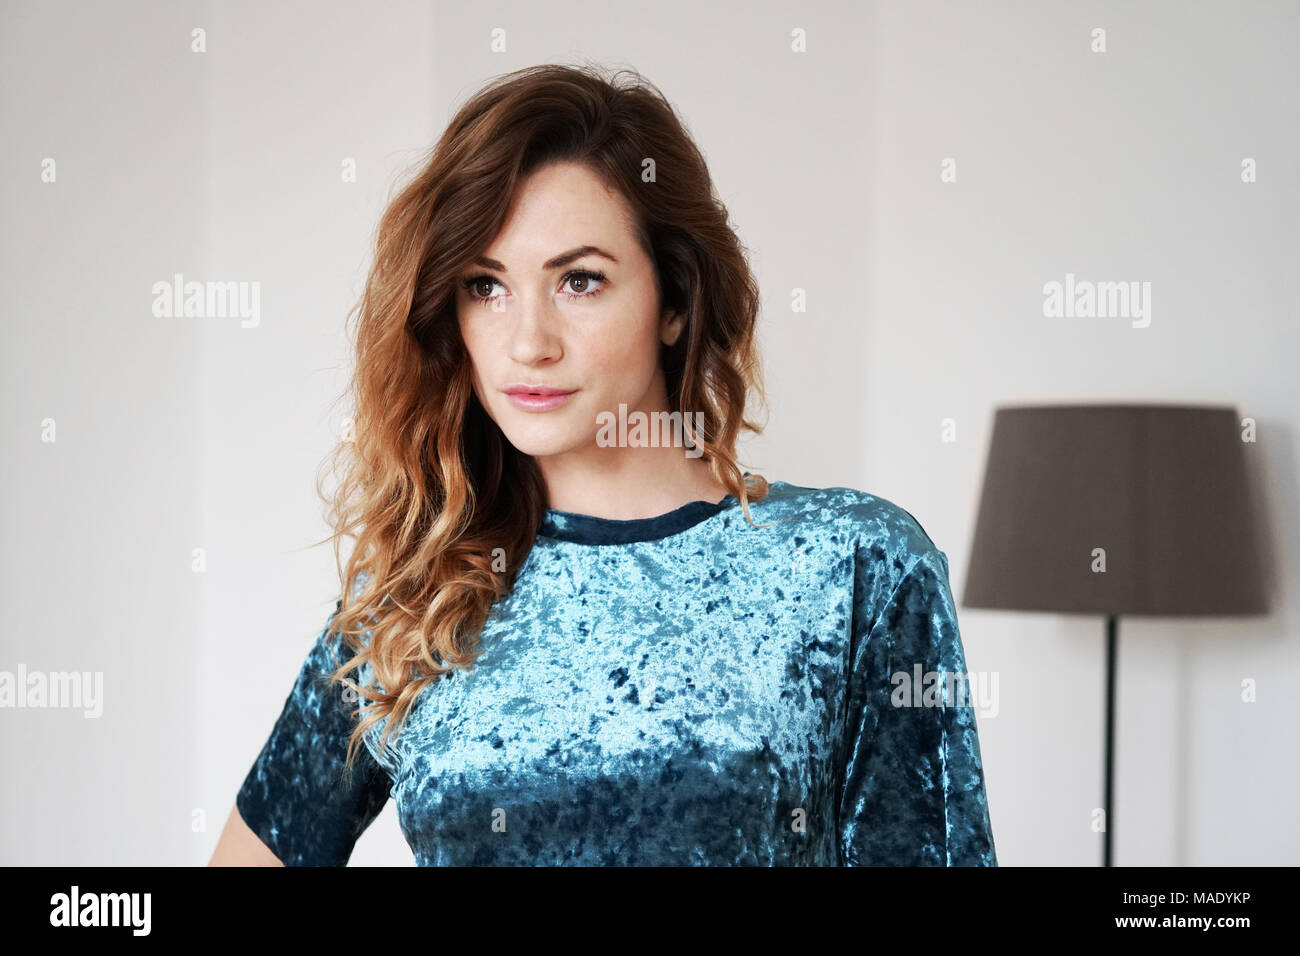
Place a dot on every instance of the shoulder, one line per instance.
(877, 527)
(895, 562)
(875, 549)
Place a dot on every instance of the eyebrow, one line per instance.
(563, 259)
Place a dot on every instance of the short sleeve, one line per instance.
(297, 797)
(913, 787)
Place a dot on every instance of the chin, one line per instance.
(539, 439)
(545, 433)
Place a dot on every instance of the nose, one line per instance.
(534, 336)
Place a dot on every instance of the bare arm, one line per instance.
(240, 846)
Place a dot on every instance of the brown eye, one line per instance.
(580, 282)
(479, 288)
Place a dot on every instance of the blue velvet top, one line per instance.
(677, 690)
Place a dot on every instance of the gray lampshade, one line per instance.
(1161, 488)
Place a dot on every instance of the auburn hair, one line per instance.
(431, 490)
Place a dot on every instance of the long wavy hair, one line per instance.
(433, 493)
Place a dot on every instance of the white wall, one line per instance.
(97, 525)
(924, 304)
(1124, 166)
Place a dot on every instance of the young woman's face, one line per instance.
(535, 311)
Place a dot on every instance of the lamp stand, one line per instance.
(1112, 629)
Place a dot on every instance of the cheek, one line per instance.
(616, 360)
(466, 329)
(630, 348)
(478, 355)
(476, 343)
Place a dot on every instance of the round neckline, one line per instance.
(589, 529)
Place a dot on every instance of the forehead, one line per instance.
(561, 206)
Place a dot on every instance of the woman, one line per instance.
(571, 640)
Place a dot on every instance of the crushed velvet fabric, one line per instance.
(678, 690)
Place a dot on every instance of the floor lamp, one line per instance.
(1105, 509)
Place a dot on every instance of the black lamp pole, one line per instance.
(1112, 627)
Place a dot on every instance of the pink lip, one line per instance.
(537, 398)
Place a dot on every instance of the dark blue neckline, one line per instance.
(589, 529)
